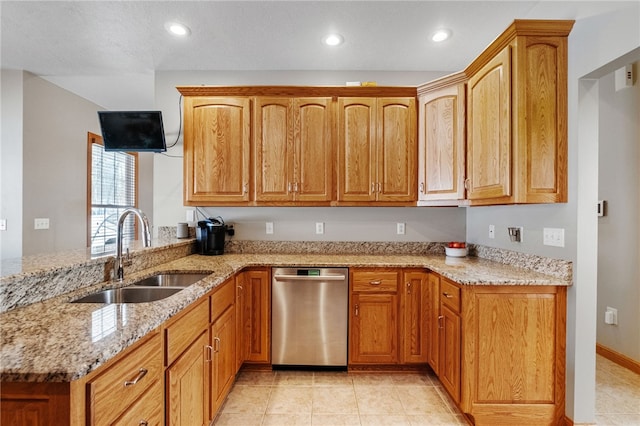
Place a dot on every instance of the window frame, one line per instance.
(93, 138)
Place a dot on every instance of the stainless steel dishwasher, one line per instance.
(309, 312)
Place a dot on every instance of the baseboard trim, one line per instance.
(618, 358)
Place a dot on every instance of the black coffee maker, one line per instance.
(210, 235)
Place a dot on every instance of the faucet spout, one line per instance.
(146, 237)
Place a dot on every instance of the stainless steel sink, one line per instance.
(149, 289)
(129, 295)
(170, 280)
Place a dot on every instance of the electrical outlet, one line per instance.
(611, 316)
(269, 228)
(319, 227)
(492, 231)
(400, 228)
(41, 223)
(191, 215)
(553, 237)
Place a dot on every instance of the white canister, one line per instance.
(183, 230)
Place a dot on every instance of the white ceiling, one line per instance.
(108, 52)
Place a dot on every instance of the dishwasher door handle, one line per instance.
(309, 277)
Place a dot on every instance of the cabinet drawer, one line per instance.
(450, 295)
(111, 393)
(145, 411)
(182, 332)
(375, 281)
(223, 297)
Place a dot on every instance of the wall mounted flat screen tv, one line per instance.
(132, 131)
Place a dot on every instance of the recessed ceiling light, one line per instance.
(177, 29)
(441, 35)
(333, 40)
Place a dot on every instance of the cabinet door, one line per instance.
(223, 369)
(450, 352)
(187, 386)
(433, 321)
(241, 349)
(258, 303)
(274, 151)
(489, 148)
(415, 334)
(396, 149)
(441, 144)
(357, 149)
(216, 150)
(374, 329)
(313, 141)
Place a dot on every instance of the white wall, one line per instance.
(294, 224)
(11, 163)
(55, 126)
(618, 243)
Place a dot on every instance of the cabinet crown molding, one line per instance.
(306, 91)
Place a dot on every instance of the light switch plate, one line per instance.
(269, 228)
(553, 237)
(400, 228)
(319, 227)
(41, 223)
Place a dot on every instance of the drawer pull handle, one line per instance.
(216, 344)
(440, 318)
(447, 295)
(357, 310)
(376, 282)
(141, 373)
(409, 287)
(143, 423)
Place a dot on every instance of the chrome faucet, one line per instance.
(146, 237)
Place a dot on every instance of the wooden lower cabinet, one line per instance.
(256, 316)
(414, 334)
(30, 404)
(500, 350)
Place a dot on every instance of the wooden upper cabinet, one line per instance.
(377, 150)
(216, 150)
(293, 143)
(517, 116)
(441, 141)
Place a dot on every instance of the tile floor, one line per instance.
(337, 398)
(285, 398)
(617, 394)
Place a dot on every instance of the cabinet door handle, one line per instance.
(245, 187)
(141, 373)
(209, 349)
(289, 187)
(409, 287)
(422, 187)
(440, 318)
(379, 187)
(467, 184)
(295, 186)
(357, 310)
(373, 187)
(447, 295)
(143, 423)
(216, 343)
(375, 282)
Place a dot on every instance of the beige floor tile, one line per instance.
(334, 400)
(618, 419)
(384, 420)
(290, 400)
(379, 379)
(291, 419)
(412, 380)
(436, 419)
(421, 400)
(255, 378)
(378, 400)
(335, 420)
(332, 378)
(247, 399)
(294, 378)
(233, 419)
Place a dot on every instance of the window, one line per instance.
(112, 187)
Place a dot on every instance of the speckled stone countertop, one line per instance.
(57, 341)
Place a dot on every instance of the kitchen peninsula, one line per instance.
(507, 318)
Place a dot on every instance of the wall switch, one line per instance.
(553, 237)
(41, 223)
(611, 316)
(3, 224)
(400, 228)
(191, 215)
(492, 231)
(319, 227)
(269, 228)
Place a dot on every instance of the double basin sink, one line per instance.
(149, 289)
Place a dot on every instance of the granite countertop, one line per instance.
(57, 341)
